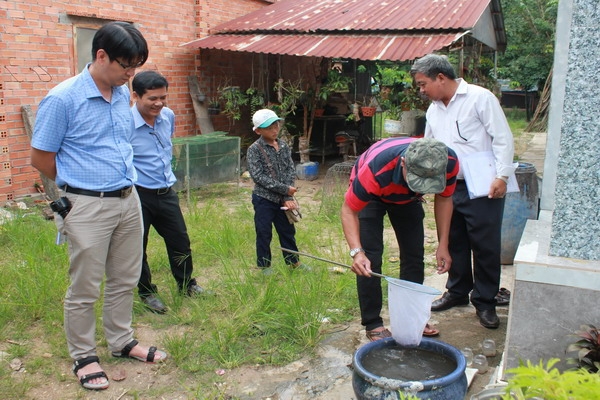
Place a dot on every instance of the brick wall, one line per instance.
(37, 52)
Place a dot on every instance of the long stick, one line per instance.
(329, 261)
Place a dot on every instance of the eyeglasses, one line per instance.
(129, 67)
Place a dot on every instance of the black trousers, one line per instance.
(407, 222)
(475, 246)
(266, 215)
(162, 211)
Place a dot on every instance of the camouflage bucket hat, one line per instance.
(426, 161)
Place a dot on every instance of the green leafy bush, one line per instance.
(587, 348)
(546, 382)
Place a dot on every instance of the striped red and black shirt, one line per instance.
(377, 175)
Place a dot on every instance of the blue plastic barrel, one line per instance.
(307, 171)
(518, 208)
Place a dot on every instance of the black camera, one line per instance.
(61, 206)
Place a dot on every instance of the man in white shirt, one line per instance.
(469, 119)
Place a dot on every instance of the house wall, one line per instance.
(37, 52)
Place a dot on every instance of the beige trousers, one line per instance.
(104, 236)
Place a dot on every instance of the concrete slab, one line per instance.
(552, 298)
(535, 152)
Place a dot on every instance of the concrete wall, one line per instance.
(557, 278)
(576, 222)
(551, 298)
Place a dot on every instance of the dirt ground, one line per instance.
(327, 376)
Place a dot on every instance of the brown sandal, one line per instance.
(430, 331)
(374, 335)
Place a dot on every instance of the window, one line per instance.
(83, 45)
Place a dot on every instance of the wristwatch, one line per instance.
(355, 251)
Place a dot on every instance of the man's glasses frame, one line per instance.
(128, 67)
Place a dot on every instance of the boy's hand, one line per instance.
(290, 205)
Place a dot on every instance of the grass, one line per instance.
(252, 319)
(516, 120)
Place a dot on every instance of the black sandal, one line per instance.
(152, 351)
(85, 379)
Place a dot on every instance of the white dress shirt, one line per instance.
(472, 122)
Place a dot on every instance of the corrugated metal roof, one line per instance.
(361, 29)
(306, 16)
(360, 47)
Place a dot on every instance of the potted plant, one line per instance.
(369, 107)
(336, 82)
(413, 100)
(214, 107)
(413, 111)
(233, 100)
(392, 123)
(587, 348)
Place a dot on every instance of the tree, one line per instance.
(530, 29)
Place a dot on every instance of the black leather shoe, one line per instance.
(196, 290)
(447, 301)
(154, 304)
(488, 318)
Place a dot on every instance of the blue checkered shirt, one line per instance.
(153, 149)
(90, 136)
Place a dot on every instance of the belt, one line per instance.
(158, 192)
(115, 193)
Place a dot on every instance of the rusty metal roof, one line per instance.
(359, 29)
(360, 47)
(305, 16)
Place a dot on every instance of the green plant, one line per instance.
(233, 100)
(530, 381)
(351, 118)
(214, 107)
(587, 348)
(392, 76)
(256, 99)
(393, 110)
(336, 82)
(413, 100)
(213, 103)
(289, 94)
(407, 396)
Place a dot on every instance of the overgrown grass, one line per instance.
(251, 319)
(517, 120)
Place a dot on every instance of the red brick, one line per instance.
(37, 52)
